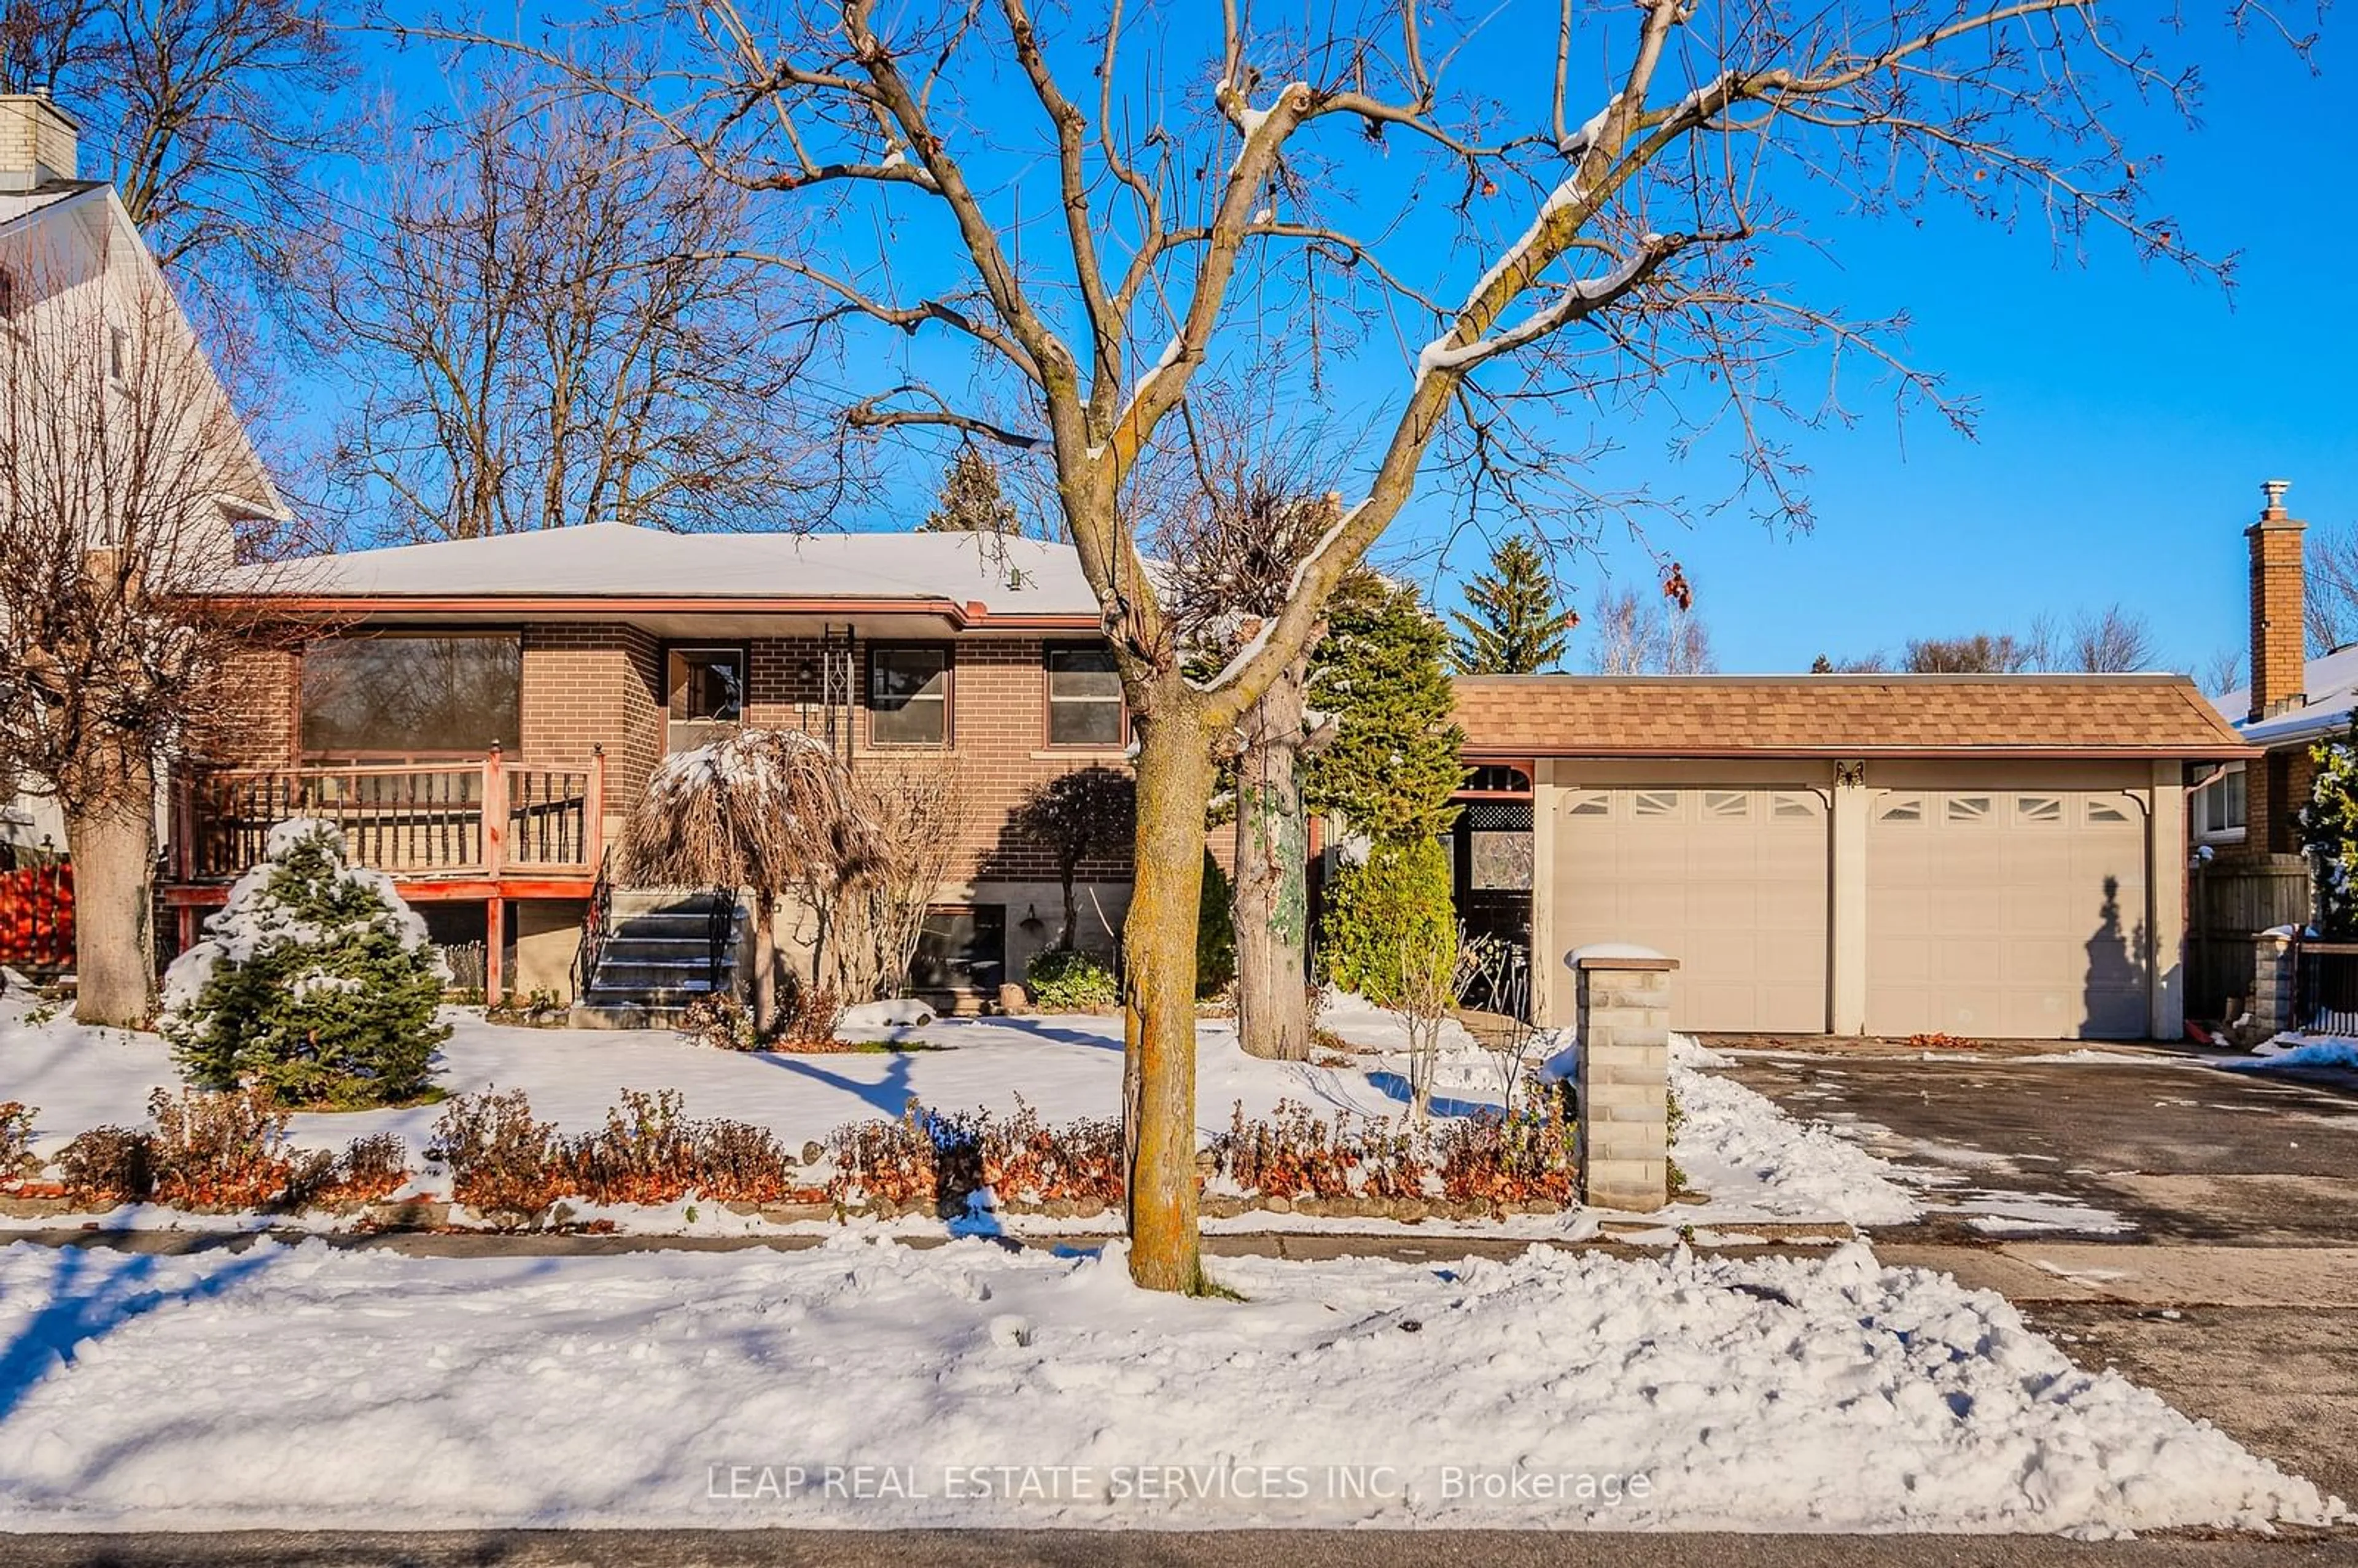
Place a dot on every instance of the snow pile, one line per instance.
(1369, 1027)
(866, 1385)
(1754, 1161)
(893, 1012)
(2293, 1051)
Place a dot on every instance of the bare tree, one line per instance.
(550, 327)
(2221, 673)
(204, 112)
(2111, 641)
(869, 926)
(1638, 634)
(2330, 605)
(122, 477)
(1251, 511)
(1203, 199)
(1982, 653)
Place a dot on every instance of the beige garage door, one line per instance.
(1731, 882)
(1998, 914)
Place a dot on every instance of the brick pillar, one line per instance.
(1625, 1076)
(2272, 984)
(2279, 654)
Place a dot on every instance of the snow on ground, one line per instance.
(1755, 1162)
(1750, 1160)
(2294, 1051)
(968, 1386)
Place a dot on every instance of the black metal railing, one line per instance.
(721, 936)
(2325, 986)
(596, 924)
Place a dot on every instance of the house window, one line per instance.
(404, 696)
(11, 296)
(118, 355)
(705, 694)
(961, 947)
(1085, 706)
(2217, 809)
(909, 694)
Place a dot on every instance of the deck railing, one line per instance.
(486, 818)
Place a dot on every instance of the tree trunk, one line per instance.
(1174, 786)
(1271, 894)
(113, 845)
(765, 962)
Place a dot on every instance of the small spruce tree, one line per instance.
(1513, 623)
(315, 980)
(971, 500)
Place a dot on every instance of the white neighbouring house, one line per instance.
(77, 277)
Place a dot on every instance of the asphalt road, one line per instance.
(1147, 1549)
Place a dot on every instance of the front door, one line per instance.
(705, 695)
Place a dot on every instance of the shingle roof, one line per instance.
(1840, 716)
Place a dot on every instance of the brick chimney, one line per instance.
(2280, 658)
(36, 142)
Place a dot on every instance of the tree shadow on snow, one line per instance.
(93, 1294)
(1394, 1086)
(889, 1097)
(1047, 1031)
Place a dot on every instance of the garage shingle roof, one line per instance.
(1841, 716)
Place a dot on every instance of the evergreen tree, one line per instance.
(1395, 758)
(971, 502)
(1513, 623)
(315, 980)
(2328, 831)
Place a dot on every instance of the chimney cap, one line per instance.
(2273, 488)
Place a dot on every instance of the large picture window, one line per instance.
(909, 694)
(413, 695)
(1084, 706)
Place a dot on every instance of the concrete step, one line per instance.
(625, 1015)
(698, 902)
(691, 926)
(629, 975)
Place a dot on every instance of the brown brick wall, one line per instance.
(588, 685)
(998, 744)
(258, 714)
(2275, 787)
(2279, 653)
(591, 683)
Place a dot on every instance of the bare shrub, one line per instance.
(108, 1166)
(501, 1161)
(229, 1150)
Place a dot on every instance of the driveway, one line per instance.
(2143, 1145)
(2193, 1227)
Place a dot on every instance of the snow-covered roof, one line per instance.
(2332, 682)
(622, 561)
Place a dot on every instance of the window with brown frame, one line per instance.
(1084, 705)
(909, 694)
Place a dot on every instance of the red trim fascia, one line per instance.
(552, 605)
(417, 890)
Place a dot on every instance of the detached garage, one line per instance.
(1997, 857)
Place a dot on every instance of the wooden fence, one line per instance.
(2230, 902)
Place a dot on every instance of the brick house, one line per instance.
(2250, 873)
(480, 715)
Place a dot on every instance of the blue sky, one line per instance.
(2127, 415)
